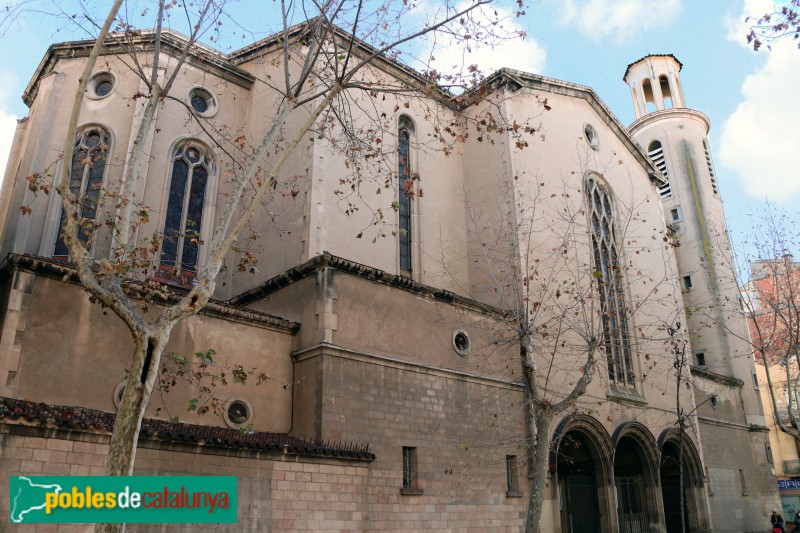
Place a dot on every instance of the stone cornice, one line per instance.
(333, 350)
(679, 113)
(172, 42)
(719, 378)
(23, 417)
(64, 272)
(328, 260)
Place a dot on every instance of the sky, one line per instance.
(750, 98)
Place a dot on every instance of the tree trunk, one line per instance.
(538, 483)
(138, 387)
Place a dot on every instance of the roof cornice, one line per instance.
(43, 266)
(574, 90)
(678, 112)
(172, 42)
(328, 260)
(650, 56)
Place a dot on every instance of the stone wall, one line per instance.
(461, 426)
(276, 492)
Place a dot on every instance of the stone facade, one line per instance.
(407, 357)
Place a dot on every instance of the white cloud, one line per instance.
(508, 47)
(619, 19)
(759, 141)
(739, 27)
(8, 122)
(527, 55)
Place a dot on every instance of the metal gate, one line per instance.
(631, 506)
(579, 507)
(671, 493)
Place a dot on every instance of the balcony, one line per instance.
(792, 466)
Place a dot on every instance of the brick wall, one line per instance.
(726, 450)
(463, 428)
(275, 492)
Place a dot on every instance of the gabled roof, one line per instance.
(171, 42)
(552, 85)
(65, 271)
(227, 66)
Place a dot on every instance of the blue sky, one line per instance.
(750, 98)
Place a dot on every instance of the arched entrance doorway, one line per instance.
(634, 482)
(582, 460)
(580, 508)
(681, 486)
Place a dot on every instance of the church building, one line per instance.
(373, 320)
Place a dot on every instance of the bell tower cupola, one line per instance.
(655, 84)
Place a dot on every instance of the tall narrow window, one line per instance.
(714, 187)
(405, 186)
(609, 283)
(410, 472)
(512, 477)
(743, 482)
(184, 217)
(666, 93)
(656, 153)
(85, 181)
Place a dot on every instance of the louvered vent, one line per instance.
(711, 169)
(656, 153)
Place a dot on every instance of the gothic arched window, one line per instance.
(184, 217)
(88, 165)
(610, 284)
(405, 185)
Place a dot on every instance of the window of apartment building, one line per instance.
(512, 476)
(184, 214)
(410, 471)
(768, 450)
(674, 215)
(755, 382)
(608, 274)
(90, 152)
(701, 358)
(405, 186)
(687, 283)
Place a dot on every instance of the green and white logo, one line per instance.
(115, 500)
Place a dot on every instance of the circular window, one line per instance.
(461, 342)
(202, 101)
(237, 413)
(100, 85)
(119, 390)
(591, 136)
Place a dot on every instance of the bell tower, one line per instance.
(727, 414)
(675, 138)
